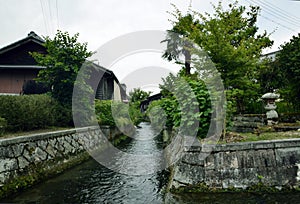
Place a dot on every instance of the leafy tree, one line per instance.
(231, 40)
(138, 95)
(65, 55)
(288, 60)
(271, 78)
(177, 40)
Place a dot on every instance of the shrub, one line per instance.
(103, 112)
(158, 117)
(63, 115)
(3, 125)
(29, 112)
(115, 113)
(33, 87)
(135, 113)
(187, 106)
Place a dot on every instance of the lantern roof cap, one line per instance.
(270, 96)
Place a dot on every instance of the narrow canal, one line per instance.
(91, 182)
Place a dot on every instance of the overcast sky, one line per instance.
(99, 21)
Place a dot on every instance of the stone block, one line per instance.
(188, 174)
(23, 163)
(267, 144)
(8, 165)
(28, 155)
(69, 148)
(209, 163)
(52, 152)
(6, 152)
(213, 178)
(42, 144)
(230, 160)
(4, 176)
(219, 160)
(40, 155)
(18, 149)
(287, 143)
(287, 156)
(194, 159)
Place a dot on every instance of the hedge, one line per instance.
(29, 112)
(113, 113)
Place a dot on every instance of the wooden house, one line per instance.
(16, 64)
(17, 67)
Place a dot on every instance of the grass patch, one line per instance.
(24, 133)
(233, 137)
(249, 137)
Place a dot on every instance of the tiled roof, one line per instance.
(32, 36)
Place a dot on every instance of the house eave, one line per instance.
(21, 67)
(22, 42)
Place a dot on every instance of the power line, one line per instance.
(44, 18)
(278, 23)
(51, 18)
(273, 12)
(281, 11)
(273, 21)
(57, 19)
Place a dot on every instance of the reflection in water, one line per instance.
(93, 183)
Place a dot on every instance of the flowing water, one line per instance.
(91, 182)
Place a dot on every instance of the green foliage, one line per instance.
(186, 105)
(135, 113)
(138, 95)
(30, 112)
(63, 60)
(3, 125)
(230, 39)
(83, 99)
(33, 87)
(270, 77)
(177, 40)
(113, 113)
(161, 112)
(104, 113)
(288, 60)
(63, 115)
(157, 115)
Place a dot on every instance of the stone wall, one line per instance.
(247, 123)
(26, 160)
(238, 165)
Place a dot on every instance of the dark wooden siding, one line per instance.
(12, 80)
(20, 55)
(105, 88)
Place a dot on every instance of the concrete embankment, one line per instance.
(238, 166)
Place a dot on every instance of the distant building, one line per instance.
(17, 67)
(270, 55)
(144, 104)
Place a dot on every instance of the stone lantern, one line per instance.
(272, 115)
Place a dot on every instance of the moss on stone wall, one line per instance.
(40, 172)
(35, 173)
(257, 188)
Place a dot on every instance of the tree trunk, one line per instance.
(187, 62)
